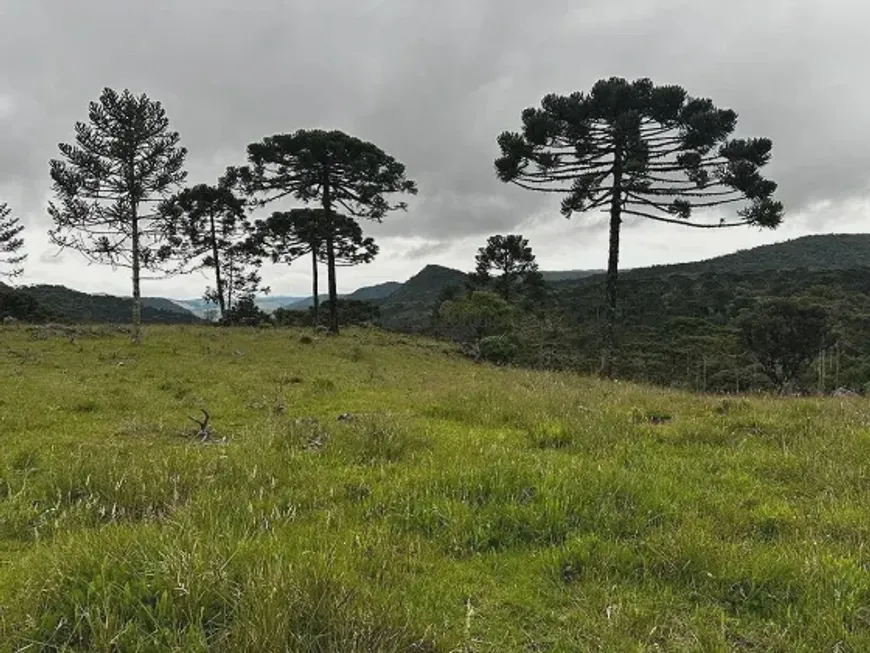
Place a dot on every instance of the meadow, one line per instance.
(375, 492)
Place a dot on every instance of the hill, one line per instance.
(267, 303)
(160, 304)
(814, 253)
(74, 306)
(568, 275)
(367, 293)
(409, 306)
(375, 293)
(819, 252)
(458, 507)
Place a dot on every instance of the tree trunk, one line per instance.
(315, 281)
(217, 269)
(333, 290)
(330, 257)
(137, 294)
(231, 284)
(609, 348)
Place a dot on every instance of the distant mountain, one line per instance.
(271, 302)
(366, 293)
(304, 303)
(409, 306)
(63, 303)
(567, 275)
(820, 252)
(161, 304)
(266, 302)
(375, 293)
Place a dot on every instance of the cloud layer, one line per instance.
(434, 83)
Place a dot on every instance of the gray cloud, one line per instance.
(434, 83)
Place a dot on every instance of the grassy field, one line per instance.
(460, 508)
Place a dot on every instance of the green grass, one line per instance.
(462, 508)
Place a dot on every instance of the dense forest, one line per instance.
(678, 325)
(41, 303)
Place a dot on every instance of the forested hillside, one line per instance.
(822, 252)
(46, 302)
(678, 324)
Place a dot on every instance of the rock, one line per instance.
(844, 392)
(9, 320)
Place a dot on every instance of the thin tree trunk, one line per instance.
(330, 257)
(609, 349)
(333, 289)
(231, 284)
(315, 281)
(217, 269)
(137, 294)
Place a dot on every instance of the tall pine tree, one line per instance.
(107, 185)
(329, 168)
(289, 235)
(643, 151)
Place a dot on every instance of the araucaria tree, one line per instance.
(11, 244)
(512, 258)
(108, 184)
(207, 227)
(644, 151)
(286, 236)
(332, 169)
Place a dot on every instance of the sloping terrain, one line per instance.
(409, 307)
(50, 302)
(453, 507)
(820, 252)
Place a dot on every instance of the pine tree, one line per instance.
(208, 228)
(331, 168)
(11, 244)
(125, 161)
(515, 263)
(644, 151)
(289, 235)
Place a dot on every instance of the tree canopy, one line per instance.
(512, 258)
(640, 150)
(785, 336)
(289, 235)
(329, 168)
(125, 158)
(208, 228)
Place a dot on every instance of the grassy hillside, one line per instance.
(462, 508)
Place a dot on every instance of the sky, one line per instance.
(433, 83)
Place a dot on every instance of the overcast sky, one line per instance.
(433, 82)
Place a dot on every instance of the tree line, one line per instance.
(628, 149)
(739, 328)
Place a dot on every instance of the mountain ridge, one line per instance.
(403, 304)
